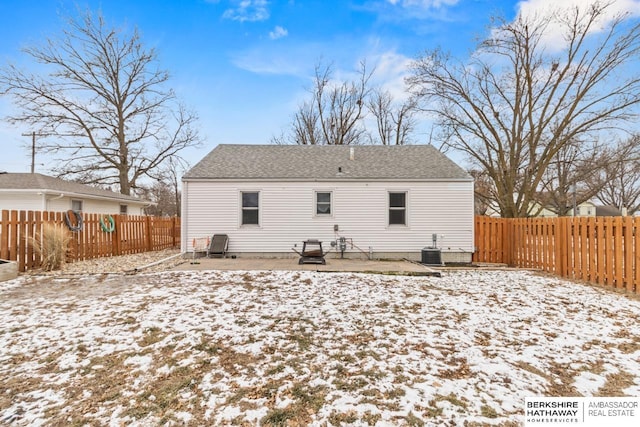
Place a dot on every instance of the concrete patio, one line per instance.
(405, 268)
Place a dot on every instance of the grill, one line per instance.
(312, 252)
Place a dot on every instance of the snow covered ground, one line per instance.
(305, 348)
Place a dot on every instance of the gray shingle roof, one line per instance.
(36, 181)
(608, 211)
(326, 162)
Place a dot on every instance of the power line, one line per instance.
(33, 144)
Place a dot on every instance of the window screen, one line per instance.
(323, 203)
(250, 209)
(398, 208)
(76, 205)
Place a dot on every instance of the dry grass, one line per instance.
(261, 349)
(51, 244)
(616, 384)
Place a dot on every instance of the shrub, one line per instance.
(51, 244)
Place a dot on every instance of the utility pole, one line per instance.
(33, 152)
(33, 148)
(33, 144)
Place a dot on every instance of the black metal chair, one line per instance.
(218, 247)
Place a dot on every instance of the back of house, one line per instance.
(387, 202)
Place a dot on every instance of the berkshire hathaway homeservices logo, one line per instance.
(582, 411)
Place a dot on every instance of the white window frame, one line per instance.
(79, 201)
(124, 209)
(390, 208)
(242, 209)
(315, 204)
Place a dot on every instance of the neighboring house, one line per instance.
(386, 200)
(37, 192)
(610, 211)
(535, 209)
(584, 209)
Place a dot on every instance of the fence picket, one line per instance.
(133, 234)
(627, 250)
(600, 250)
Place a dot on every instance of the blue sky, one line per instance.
(243, 65)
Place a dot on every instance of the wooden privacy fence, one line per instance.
(602, 250)
(131, 234)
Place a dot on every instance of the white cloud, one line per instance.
(278, 32)
(401, 10)
(423, 4)
(296, 60)
(391, 69)
(531, 7)
(248, 10)
(553, 37)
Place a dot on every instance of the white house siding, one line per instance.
(95, 206)
(359, 209)
(16, 201)
(37, 202)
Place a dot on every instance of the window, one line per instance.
(323, 203)
(398, 208)
(123, 209)
(250, 201)
(76, 205)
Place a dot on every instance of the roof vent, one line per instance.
(352, 153)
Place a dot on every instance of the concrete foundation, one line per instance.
(8, 270)
(447, 257)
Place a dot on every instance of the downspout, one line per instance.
(183, 217)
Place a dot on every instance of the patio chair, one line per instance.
(200, 244)
(218, 247)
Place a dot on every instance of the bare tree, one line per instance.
(336, 113)
(573, 176)
(394, 125)
(621, 177)
(516, 104)
(333, 115)
(484, 193)
(105, 102)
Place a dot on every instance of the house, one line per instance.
(385, 201)
(535, 209)
(585, 209)
(610, 211)
(37, 192)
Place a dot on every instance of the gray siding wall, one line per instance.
(360, 209)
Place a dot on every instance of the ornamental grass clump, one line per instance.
(51, 244)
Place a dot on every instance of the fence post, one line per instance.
(510, 242)
(636, 255)
(558, 243)
(4, 235)
(37, 234)
(29, 238)
(628, 253)
(618, 252)
(174, 236)
(21, 229)
(116, 236)
(148, 234)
